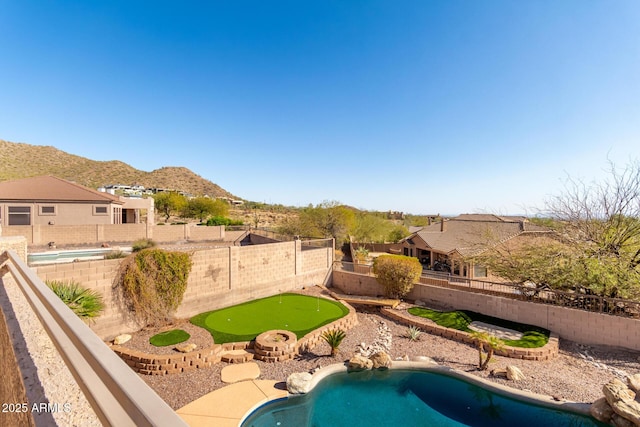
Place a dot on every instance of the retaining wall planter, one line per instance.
(547, 352)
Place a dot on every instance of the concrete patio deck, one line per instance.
(227, 406)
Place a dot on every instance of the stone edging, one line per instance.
(165, 364)
(547, 352)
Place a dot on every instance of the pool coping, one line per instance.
(426, 366)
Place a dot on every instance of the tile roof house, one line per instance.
(445, 245)
(47, 200)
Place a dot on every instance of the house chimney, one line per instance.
(443, 227)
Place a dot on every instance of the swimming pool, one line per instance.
(56, 257)
(402, 397)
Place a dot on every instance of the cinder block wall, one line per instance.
(219, 278)
(575, 325)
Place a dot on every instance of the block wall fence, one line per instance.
(575, 325)
(219, 277)
(111, 233)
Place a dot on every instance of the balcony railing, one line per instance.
(118, 396)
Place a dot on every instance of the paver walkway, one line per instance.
(227, 406)
(240, 372)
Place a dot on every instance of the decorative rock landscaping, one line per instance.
(619, 406)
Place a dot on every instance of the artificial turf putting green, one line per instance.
(299, 314)
(532, 336)
(174, 336)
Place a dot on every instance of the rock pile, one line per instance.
(381, 343)
(620, 405)
(379, 360)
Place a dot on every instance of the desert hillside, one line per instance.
(21, 160)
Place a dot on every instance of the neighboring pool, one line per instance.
(54, 257)
(406, 398)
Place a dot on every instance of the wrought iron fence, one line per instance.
(576, 300)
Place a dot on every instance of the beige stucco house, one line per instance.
(448, 245)
(47, 200)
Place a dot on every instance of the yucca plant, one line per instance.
(334, 338)
(85, 303)
(413, 333)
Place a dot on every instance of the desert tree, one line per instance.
(169, 203)
(593, 242)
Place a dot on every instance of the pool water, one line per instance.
(56, 257)
(406, 398)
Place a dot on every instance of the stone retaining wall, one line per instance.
(163, 364)
(547, 352)
(345, 323)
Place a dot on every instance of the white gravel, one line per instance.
(46, 377)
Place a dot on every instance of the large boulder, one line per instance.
(186, 348)
(514, 373)
(121, 339)
(359, 363)
(299, 382)
(621, 400)
(601, 410)
(634, 382)
(381, 360)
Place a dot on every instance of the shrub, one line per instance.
(153, 283)
(334, 338)
(221, 220)
(141, 244)
(115, 255)
(397, 274)
(85, 303)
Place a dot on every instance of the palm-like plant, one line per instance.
(489, 342)
(334, 338)
(85, 303)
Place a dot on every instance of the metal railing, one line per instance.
(118, 396)
(577, 300)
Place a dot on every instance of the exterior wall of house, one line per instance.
(63, 213)
(219, 278)
(575, 325)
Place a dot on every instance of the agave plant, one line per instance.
(334, 338)
(413, 333)
(85, 303)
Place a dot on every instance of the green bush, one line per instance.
(397, 274)
(221, 220)
(85, 303)
(154, 282)
(141, 244)
(115, 255)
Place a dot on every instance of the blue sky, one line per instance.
(420, 106)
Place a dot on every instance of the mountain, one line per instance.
(20, 160)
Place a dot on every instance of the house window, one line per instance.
(100, 210)
(479, 271)
(19, 215)
(47, 210)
